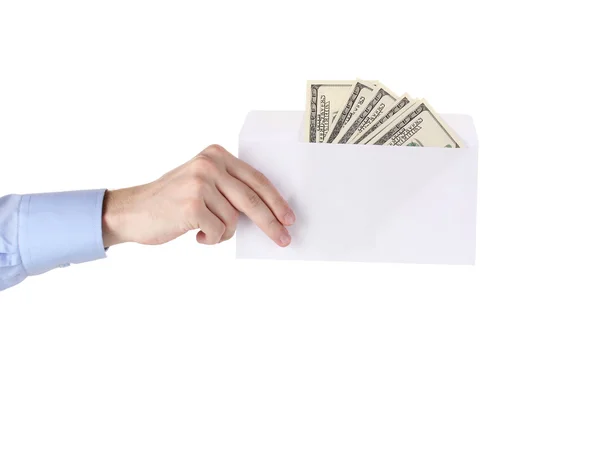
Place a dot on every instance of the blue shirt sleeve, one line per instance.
(40, 232)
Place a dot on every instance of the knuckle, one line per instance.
(196, 181)
(260, 178)
(204, 165)
(274, 224)
(280, 206)
(253, 198)
(214, 149)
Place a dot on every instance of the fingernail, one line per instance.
(289, 218)
(285, 238)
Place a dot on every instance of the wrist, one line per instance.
(113, 218)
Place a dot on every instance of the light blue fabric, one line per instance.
(43, 231)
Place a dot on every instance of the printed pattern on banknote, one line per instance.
(420, 126)
(398, 108)
(381, 100)
(356, 99)
(323, 99)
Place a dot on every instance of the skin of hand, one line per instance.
(205, 194)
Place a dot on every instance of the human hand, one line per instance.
(206, 194)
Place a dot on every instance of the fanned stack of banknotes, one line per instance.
(364, 112)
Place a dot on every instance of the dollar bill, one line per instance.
(323, 99)
(356, 99)
(419, 126)
(381, 99)
(399, 107)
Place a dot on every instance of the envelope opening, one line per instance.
(289, 126)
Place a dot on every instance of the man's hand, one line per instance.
(206, 194)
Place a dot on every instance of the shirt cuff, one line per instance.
(57, 229)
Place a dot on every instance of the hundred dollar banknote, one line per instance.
(418, 126)
(379, 101)
(356, 100)
(323, 100)
(364, 112)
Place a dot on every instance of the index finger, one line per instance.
(246, 200)
(260, 184)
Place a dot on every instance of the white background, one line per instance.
(181, 356)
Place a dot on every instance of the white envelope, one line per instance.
(364, 202)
